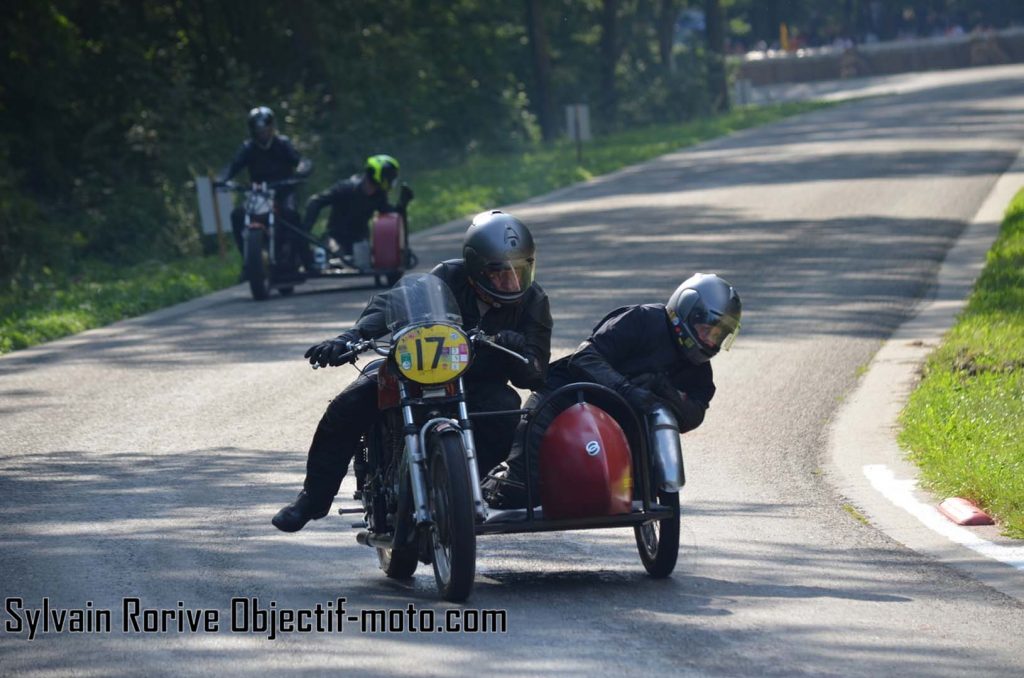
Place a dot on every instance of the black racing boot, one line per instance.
(502, 492)
(294, 516)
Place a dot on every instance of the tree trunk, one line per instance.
(541, 60)
(715, 26)
(609, 57)
(666, 29)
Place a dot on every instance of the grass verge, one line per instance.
(62, 306)
(964, 424)
(105, 294)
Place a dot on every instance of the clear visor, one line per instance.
(509, 277)
(716, 332)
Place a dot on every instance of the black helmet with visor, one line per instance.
(499, 253)
(705, 314)
(261, 126)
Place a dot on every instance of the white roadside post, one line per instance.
(214, 210)
(577, 124)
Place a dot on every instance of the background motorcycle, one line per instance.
(271, 260)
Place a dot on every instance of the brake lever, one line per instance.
(489, 340)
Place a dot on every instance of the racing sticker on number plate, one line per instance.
(432, 354)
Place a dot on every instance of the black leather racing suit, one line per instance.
(351, 209)
(280, 160)
(631, 345)
(354, 410)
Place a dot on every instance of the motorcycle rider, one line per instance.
(494, 287)
(269, 156)
(651, 354)
(354, 200)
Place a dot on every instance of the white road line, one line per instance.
(901, 493)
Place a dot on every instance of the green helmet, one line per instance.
(382, 170)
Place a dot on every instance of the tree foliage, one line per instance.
(109, 108)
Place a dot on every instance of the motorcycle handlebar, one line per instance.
(490, 340)
(358, 347)
(355, 348)
(241, 188)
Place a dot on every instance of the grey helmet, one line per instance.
(261, 126)
(705, 315)
(499, 254)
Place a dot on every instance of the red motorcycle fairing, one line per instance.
(387, 241)
(585, 465)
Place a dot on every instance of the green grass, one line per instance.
(60, 306)
(964, 424)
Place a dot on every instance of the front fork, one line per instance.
(415, 445)
(469, 442)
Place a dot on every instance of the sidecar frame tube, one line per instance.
(528, 524)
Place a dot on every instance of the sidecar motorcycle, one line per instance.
(270, 260)
(600, 466)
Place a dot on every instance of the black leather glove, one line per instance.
(405, 196)
(676, 400)
(688, 413)
(639, 398)
(512, 340)
(329, 352)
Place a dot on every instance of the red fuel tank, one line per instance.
(585, 465)
(387, 236)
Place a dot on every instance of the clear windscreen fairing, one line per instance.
(420, 299)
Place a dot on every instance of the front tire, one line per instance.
(257, 264)
(398, 564)
(453, 535)
(658, 540)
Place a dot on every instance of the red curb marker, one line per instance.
(964, 512)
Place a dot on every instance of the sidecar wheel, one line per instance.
(453, 535)
(658, 540)
(399, 564)
(257, 264)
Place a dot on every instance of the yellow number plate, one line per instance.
(432, 354)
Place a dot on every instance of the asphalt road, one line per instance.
(146, 459)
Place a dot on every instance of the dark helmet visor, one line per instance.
(509, 277)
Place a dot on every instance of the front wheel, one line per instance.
(658, 540)
(453, 536)
(398, 563)
(257, 263)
